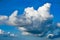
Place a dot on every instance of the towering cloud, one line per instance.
(33, 22)
(37, 21)
(12, 18)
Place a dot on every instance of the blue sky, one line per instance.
(8, 6)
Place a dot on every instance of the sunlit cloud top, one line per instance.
(33, 22)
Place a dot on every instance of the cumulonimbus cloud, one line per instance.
(33, 22)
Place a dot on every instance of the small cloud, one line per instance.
(50, 35)
(26, 33)
(12, 35)
(6, 33)
(58, 24)
(22, 29)
(3, 19)
(1, 31)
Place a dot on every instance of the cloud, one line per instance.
(26, 33)
(12, 35)
(6, 33)
(58, 24)
(3, 19)
(1, 31)
(37, 22)
(50, 36)
(12, 18)
(33, 22)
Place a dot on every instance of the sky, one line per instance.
(7, 7)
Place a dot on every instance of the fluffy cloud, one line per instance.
(33, 22)
(12, 18)
(3, 19)
(37, 22)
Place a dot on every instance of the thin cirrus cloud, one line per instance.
(33, 22)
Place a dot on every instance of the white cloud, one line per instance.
(44, 11)
(12, 35)
(12, 18)
(6, 33)
(1, 31)
(50, 35)
(22, 28)
(26, 33)
(37, 20)
(3, 19)
(58, 24)
(32, 22)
